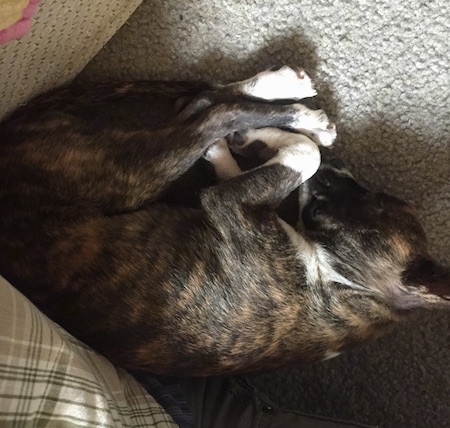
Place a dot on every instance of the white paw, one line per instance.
(322, 137)
(220, 157)
(274, 145)
(217, 151)
(315, 124)
(255, 142)
(283, 84)
(302, 157)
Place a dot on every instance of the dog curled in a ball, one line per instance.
(91, 233)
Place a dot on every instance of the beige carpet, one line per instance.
(64, 36)
(382, 69)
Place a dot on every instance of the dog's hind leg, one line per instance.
(127, 170)
(190, 140)
(285, 83)
(116, 170)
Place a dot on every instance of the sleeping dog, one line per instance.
(91, 229)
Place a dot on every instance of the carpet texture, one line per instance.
(64, 36)
(382, 70)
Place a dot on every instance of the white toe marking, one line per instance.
(282, 84)
(315, 124)
(309, 119)
(321, 137)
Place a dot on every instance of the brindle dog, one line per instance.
(92, 233)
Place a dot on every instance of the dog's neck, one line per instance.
(315, 260)
(320, 274)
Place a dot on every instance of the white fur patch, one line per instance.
(310, 119)
(326, 273)
(296, 151)
(306, 253)
(272, 137)
(322, 137)
(315, 124)
(220, 157)
(330, 354)
(315, 260)
(299, 242)
(281, 84)
(312, 123)
(303, 157)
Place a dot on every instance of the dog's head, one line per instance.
(373, 241)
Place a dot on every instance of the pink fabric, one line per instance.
(21, 27)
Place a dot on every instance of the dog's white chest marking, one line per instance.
(315, 260)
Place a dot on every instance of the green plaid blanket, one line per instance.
(48, 378)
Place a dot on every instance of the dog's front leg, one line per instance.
(261, 144)
(266, 186)
(220, 157)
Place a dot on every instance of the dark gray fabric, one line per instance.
(221, 402)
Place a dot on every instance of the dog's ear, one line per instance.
(428, 284)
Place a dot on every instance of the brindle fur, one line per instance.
(91, 232)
